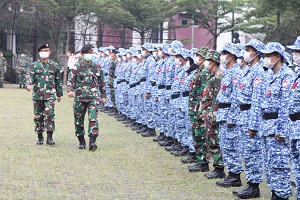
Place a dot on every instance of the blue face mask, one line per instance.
(88, 57)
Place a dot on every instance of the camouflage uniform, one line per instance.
(47, 84)
(111, 79)
(85, 80)
(21, 69)
(3, 69)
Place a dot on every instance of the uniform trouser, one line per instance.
(22, 78)
(252, 154)
(295, 160)
(108, 102)
(198, 135)
(151, 108)
(187, 139)
(162, 115)
(125, 110)
(277, 168)
(170, 129)
(1, 76)
(44, 116)
(180, 126)
(112, 95)
(230, 147)
(211, 147)
(140, 112)
(80, 109)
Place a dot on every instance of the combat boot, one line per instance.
(106, 109)
(250, 191)
(174, 147)
(167, 142)
(159, 138)
(144, 129)
(137, 126)
(216, 173)
(130, 123)
(20, 86)
(113, 112)
(40, 139)
(191, 159)
(49, 138)
(24, 86)
(81, 139)
(92, 143)
(232, 180)
(182, 152)
(150, 133)
(275, 197)
(199, 168)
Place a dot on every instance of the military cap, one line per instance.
(148, 46)
(288, 58)
(86, 48)
(183, 52)
(165, 47)
(202, 51)
(176, 45)
(43, 46)
(274, 47)
(122, 52)
(296, 45)
(256, 44)
(213, 55)
(231, 48)
(194, 50)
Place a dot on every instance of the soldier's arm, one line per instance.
(217, 86)
(71, 80)
(234, 109)
(58, 83)
(102, 85)
(30, 75)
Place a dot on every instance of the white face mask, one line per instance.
(124, 58)
(139, 56)
(223, 68)
(223, 60)
(119, 59)
(240, 62)
(296, 58)
(207, 65)
(196, 60)
(170, 51)
(154, 53)
(135, 60)
(177, 61)
(144, 54)
(128, 55)
(188, 64)
(44, 55)
(160, 54)
(268, 63)
(110, 57)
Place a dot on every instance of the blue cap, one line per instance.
(165, 47)
(148, 46)
(176, 45)
(296, 45)
(111, 48)
(231, 48)
(194, 50)
(132, 50)
(122, 52)
(288, 58)
(256, 44)
(183, 52)
(241, 50)
(274, 47)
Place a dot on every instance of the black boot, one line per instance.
(130, 123)
(216, 173)
(182, 152)
(159, 138)
(92, 145)
(40, 139)
(174, 147)
(106, 109)
(49, 138)
(167, 142)
(250, 191)
(81, 139)
(199, 168)
(143, 130)
(20, 86)
(113, 112)
(191, 159)
(150, 133)
(275, 197)
(232, 180)
(136, 126)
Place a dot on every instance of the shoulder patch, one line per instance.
(257, 82)
(235, 81)
(285, 83)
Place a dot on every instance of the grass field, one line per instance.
(125, 165)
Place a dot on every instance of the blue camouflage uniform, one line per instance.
(275, 122)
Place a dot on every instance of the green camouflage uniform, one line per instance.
(3, 69)
(47, 84)
(111, 79)
(21, 69)
(85, 80)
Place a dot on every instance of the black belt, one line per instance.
(153, 83)
(118, 82)
(161, 86)
(132, 86)
(143, 80)
(105, 74)
(168, 87)
(295, 117)
(224, 105)
(245, 107)
(127, 82)
(185, 94)
(123, 81)
(175, 96)
(273, 115)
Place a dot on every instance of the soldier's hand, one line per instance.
(230, 125)
(279, 138)
(103, 100)
(58, 99)
(252, 133)
(70, 94)
(147, 95)
(28, 88)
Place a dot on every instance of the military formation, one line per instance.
(22, 66)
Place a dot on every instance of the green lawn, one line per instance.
(125, 165)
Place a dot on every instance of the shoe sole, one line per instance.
(93, 148)
(215, 177)
(248, 197)
(226, 186)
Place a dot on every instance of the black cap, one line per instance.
(113, 51)
(86, 48)
(44, 46)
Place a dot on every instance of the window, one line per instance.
(196, 22)
(184, 22)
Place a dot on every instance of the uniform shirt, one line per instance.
(170, 74)
(111, 72)
(148, 71)
(85, 80)
(22, 65)
(276, 100)
(294, 107)
(46, 80)
(3, 64)
(228, 95)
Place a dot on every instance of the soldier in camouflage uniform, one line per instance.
(3, 68)
(111, 77)
(208, 109)
(45, 78)
(21, 69)
(83, 84)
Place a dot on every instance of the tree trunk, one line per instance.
(142, 33)
(278, 25)
(66, 51)
(215, 34)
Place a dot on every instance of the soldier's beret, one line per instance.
(86, 48)
(44, 46)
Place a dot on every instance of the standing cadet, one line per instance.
(275, 123)
(227, 117)
(250, 93)
(3, 68)
(83, 84)
(45, 78)
(111, 76)
(21, 69)
(294, 114)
